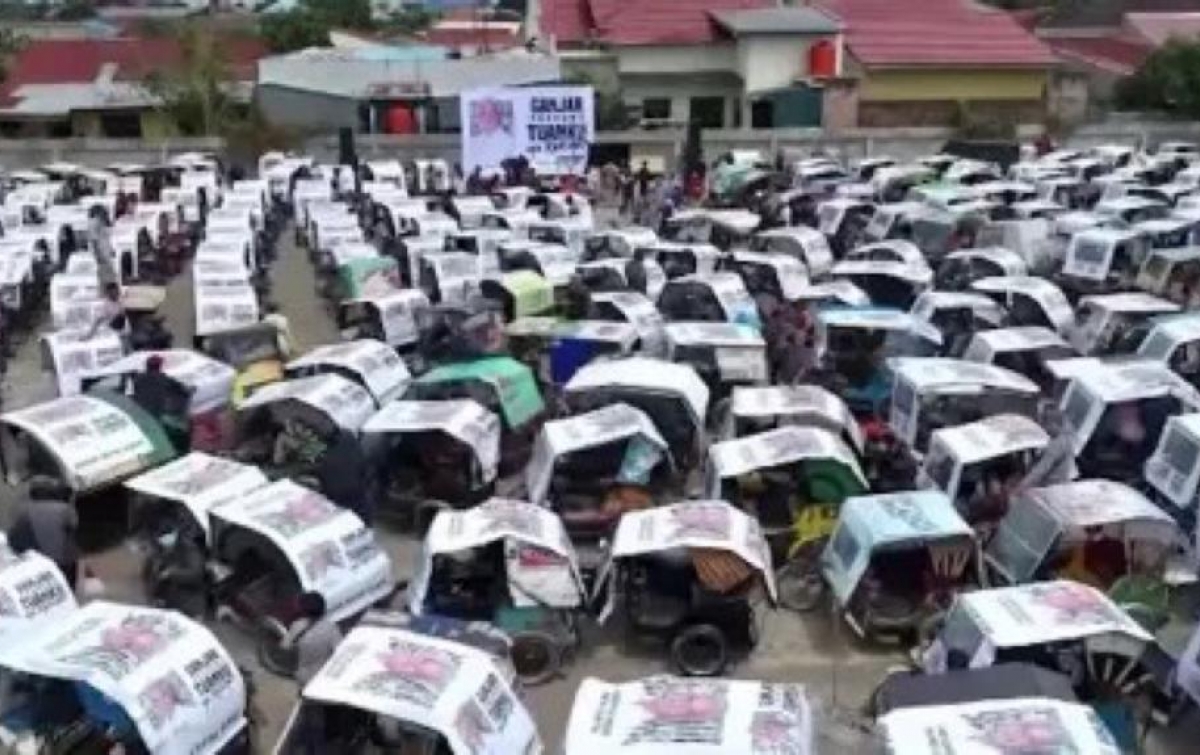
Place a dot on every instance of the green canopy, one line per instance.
(368, 276)
(514, 385)
(532, 294)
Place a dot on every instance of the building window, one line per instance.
(762, 114)
(121, 125)
(656, 109)
(709, 112)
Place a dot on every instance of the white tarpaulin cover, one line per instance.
(790, 272)
(540, 561)
(346, 403)
(93, 440)
(168, 673)
(694, 524)
(666, 715)
(463, 419)
(796, 401)
(330, 549)
(783, 445)
(33, 594)
(653, 375)
(990, 438)
(997, 727)
(200, 483)
(440, 685)
(225, 304)
(75, 357)
(552, 126)
(74, 301)
(739, 350)
(210, 380)
(375, 363)
(397, 313)
(591, 430)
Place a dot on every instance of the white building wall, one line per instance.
(719, 57)
(767, 63)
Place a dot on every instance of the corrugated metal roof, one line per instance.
(886, 33)
(1113, 54)
(638, 22)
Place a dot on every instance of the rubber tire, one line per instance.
(273, 659)
(692, 637)
(544, 648)
(795, 570)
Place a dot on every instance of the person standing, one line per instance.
(112, 314)
(100, 241)
(48, 524)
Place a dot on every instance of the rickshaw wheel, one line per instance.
(536, 657)
(800, 585)
(700, 650)
(275, 658)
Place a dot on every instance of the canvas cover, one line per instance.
(397, 313)
(34, 595)
(329, 548)
(75, 358)
(653, 375)
(344, 402)
(169, 674)
(783, 445)
(801, 403)
(210, 380)
(93, 439)
(739, 351)
(224, 304)
(74, 301)
(436, 684)
(514, 384)
(540, 562)
(710, 524)
(997, 726)
(666, 715)
(590, 430)
(376, 364)
(463, 419)
(991, 438)
(200, 483)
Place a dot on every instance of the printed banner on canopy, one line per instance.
(551, 126)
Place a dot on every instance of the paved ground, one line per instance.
(816, 650)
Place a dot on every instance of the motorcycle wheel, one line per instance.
(535, 657)
(700, 650)
(800, 585)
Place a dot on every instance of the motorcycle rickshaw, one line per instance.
(854, 344)
(590, 467)
(252, 350)
(792, 481)
(1029, 300)
(23, 282)
(522, 293)
(553, 262)
(958, 315)
(616, 243)
(1115, 323)
(678, 260)
(616, 274)
(888, 284)
(74, 301)
(903, 690)
(509, 563)
(483, 244)
(755, 409)
(723, 228)
(777, 276)
(557, 348)
(224, 301)
(438, 454)
(390, 317)
(635, 309)
(112, 677)
(842, 220)
(1096, 532)
(174, 503)
(806, 245)
(1024, 350)
(372, 364)
(411, 684)
(566, 232)
(672, 395)
(978, 464)
(689, 574)
(1102, 260)
(449, 277)
(1063, 626)
(74, 360)
(500, 384)
(1173, 274)
(1174, 341)
(716, 297)
(204, 392)
(321, 405)
(1117, 413)
(88, 444)
(351, 267)
(895, 561)
(1172, 473)
(1030, 725)
(933, 392)
(280, 541)
(724, 355)
(962, 268)
(663, 715)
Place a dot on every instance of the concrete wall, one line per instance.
(30, 153)
(302, 109)
(772, 62)
(949, 84)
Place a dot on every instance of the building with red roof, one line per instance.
(725, 63)
(96, 87)
(923, 67)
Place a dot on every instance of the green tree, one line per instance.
(197, 95)
(310, 23)
(1168, 80)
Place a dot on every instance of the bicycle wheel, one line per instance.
(799, 582)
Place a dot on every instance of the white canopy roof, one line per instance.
(462, 419)
(346, 403)
(1096, 503)
(199, 483)
(34, 595)
(375, 363)
(444, 686)
(1020, 338)
(650, 374)
(211, 381)
(991, 437)
(946, 375)
(783, 445)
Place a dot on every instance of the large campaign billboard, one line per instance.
(551, 126)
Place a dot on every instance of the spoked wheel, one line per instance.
(801, 587)
(536, 657)
(700, 650)
(275, 658)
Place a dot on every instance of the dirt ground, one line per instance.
(817, 650)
